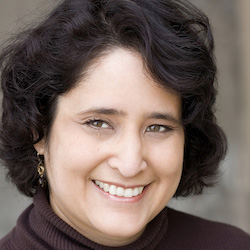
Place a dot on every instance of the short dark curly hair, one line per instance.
(175, 42)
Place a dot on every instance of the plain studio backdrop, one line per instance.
(229, 201)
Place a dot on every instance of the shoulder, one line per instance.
(204, 234)
(6, 242)
(16, 238)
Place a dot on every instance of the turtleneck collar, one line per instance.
(47, 230)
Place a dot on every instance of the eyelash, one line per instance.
(162, 128)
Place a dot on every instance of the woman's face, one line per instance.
(114, 156)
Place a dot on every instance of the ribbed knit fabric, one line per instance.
(40, 228)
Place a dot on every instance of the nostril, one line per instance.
(144, 165)
(126, 166)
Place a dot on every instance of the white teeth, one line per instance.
(128, 193)
(106, 187)
(112, 189)
(119, 191)
(136, 191)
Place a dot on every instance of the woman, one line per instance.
(108, 112)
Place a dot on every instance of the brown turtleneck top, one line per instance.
(39, 227)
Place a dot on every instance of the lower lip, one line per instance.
(121, 198)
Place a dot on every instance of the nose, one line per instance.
(128, 155)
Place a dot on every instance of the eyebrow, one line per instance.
(154, 115)
(163, 116)
(104, 111)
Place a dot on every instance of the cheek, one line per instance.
(69, 155)
(168, 159)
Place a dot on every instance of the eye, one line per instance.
(158, 128)
(98, 124)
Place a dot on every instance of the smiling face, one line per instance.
(115, 152)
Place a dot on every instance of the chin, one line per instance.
(124, 230)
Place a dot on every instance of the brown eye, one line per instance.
(158, 128)
(98, 124)
(154, 128)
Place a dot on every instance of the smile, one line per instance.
(119, 191)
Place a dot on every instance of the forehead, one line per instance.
(119, 80)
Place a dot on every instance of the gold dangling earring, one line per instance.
(41, 171)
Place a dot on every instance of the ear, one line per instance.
(40, 147)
